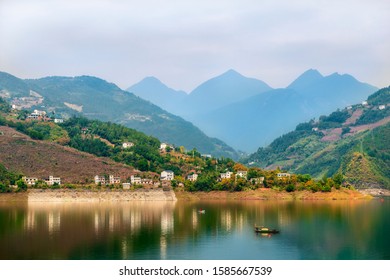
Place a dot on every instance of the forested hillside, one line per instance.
(354, 141)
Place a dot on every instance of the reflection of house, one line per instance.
(126, 186)
(192, 177)
(53, 180)
(100, 180)
(283, 175)
(167, 175)
(114, 180)
(226, 175)
(242, 174)
(126, 145)
(30, 181)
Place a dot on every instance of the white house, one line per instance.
(135, 180)
(114, 179)
(30, 181)
(53, 180)
(315, 129)
(147, 181)
(100, 179)
(226, 175)
(382, 107)
(192, 177)
(259, 180)
(241, 173)
(167, 175)
(58, 120)
(283, 175)
(126, 145)
(164, 146)
(364, 103)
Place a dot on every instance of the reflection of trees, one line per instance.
(154, 230)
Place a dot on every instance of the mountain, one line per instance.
(155, 91)
(352, 141)
(217, 92)
(98, 99)
(228, 88)
(259, 119)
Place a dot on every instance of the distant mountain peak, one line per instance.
(306, 78)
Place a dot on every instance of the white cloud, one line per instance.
(185, 42)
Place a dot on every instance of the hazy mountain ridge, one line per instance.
(98, 99)
(246, 113)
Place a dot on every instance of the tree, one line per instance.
(21, 185)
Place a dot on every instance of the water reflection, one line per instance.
(176, 230)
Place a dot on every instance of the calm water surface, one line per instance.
(168, 230)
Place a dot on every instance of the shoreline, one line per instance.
(65, 195)
(81, 195)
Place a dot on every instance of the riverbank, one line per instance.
(64, 195)
(269, 194)
(80, 195)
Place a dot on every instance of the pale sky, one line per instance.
(184, 43)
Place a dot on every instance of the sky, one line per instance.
(184, 43)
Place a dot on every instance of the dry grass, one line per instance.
(21, 154)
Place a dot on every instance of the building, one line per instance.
(192, 177)
(283, 175)
(256, 181)
(242, 174)
(135, 180)
(53, 180)
(364, 103)
(164, 146)
(100, 180)
(226, 175)
(126, 186)
(38, 116)
(382, 107)
(206, 156)
(58, 120)
(127, 145)
(30, 181)
(147, 181)
(315, 129)
(114, 180)
(167, 175)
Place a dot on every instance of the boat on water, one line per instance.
(263, 229)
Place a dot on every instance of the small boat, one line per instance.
(263, 229)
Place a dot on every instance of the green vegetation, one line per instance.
(362, 156)
(8, 178)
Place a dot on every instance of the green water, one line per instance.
(168, 230)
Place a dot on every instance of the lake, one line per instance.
(309, 230)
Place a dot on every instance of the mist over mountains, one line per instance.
(247, 113)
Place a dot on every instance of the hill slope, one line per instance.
(97, 99)
(21, 154)
(353, 141)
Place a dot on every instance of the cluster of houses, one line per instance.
(31, 181)
(37, 115)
